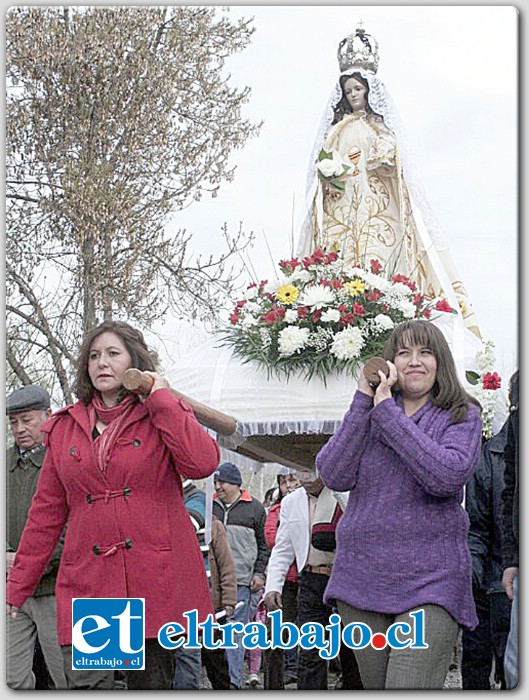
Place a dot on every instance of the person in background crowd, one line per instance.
(244, 518)
(510, 531)
(112, 471)
(404, 452)
(485, 645)
(220, 570)
(254, 657)
(281, 665)
(306, 535)
(27, 409)
(269, 498)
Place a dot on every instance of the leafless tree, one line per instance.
(117, 117)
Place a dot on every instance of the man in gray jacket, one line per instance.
(27, 409)
(244, 518)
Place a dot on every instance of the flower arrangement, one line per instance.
(321, 315)
(486, 383)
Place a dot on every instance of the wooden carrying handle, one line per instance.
(140, 382)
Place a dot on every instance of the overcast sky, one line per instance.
(452, 73)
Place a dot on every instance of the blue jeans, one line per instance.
(510, 660)
(188, 664)
(291, 663)
(236, 656)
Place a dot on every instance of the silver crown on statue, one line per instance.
(358, 50)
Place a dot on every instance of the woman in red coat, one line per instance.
(112, 474)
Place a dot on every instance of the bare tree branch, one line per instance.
(117, 117)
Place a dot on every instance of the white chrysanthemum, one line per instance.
(400, 289)
(407, 308)
(352, 272)
(292, 339)
(248, 321)
(272, 286)
(377, 282)
(300, 275)
(330, 316)
(252, 307)
(291, 316)
(383, 322)
(317, 296)
(347, 343)
(251, 293)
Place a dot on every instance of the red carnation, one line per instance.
(373, 295)
(404, 280)
(376, 267)
(303, 311)
(443, 305)
(271, 317)
(289, 265)
(316, 315)
(331, 257)
(336, 284)
(347, 319)
(241, 303)
(318, 256)
(491, 380)
(234, 317)
(358, 309)
(427, 313)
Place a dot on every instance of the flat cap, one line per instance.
(28, 398)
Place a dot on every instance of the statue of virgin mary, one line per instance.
(363, 194)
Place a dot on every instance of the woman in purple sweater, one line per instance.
(404, 452)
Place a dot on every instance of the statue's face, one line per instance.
(355, 94)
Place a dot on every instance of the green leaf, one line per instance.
(472, 377)
(324, 154)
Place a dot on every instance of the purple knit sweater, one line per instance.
(402, 541)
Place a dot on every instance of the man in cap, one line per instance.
(27, 409)
(244, 518)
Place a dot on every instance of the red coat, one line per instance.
(137, 506)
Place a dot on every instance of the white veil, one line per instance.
(428, 226)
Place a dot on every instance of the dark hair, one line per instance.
(447, 391)
(343, 107)
(514, 389)
(269, 495)
(142, 357)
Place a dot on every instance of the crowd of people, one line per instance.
(102, 502)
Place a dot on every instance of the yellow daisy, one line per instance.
(354, 288)
(287, 294)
